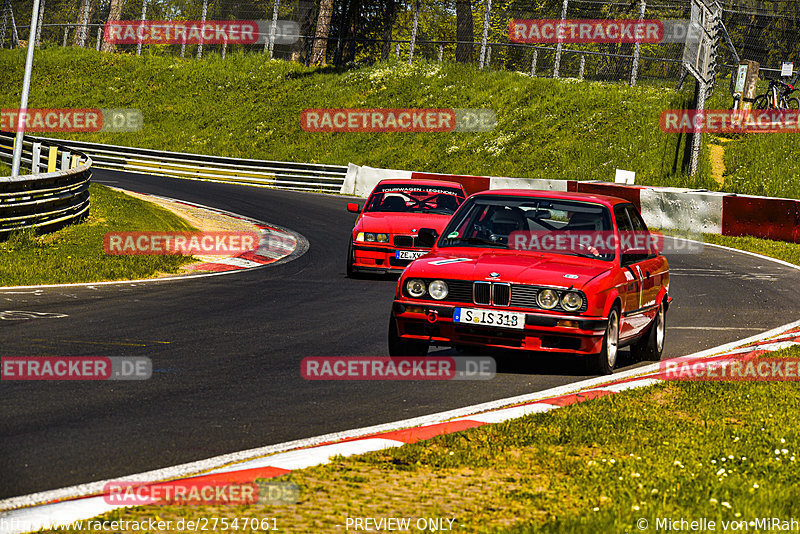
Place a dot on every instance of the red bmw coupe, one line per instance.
(536, 271)
(384, 239)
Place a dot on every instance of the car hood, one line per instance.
(511, 266)
(400, 223)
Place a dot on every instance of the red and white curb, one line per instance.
(46, 509)
(275, 243)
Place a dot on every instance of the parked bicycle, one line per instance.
(777, 97)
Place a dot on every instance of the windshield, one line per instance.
(415, 199)
(529, 223)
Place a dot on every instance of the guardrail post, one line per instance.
(485, 37)
(65, 156)
(637, 48)
(75, 161)
(36, 154)
(559, 46)
(581, 67)
(533, 61)
(52, 158)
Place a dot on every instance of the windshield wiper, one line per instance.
(482, 241)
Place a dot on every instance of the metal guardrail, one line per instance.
(275, 174)
(48, 200)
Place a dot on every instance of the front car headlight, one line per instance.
(438, 289)
(360, 236)
(415, 287)
(369, 236)
(547, 299)
(572, 301)
(382, 238)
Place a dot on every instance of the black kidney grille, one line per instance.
(502, 294)
(459, 291)
(482, 293)
(524, 296)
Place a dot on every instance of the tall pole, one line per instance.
(414, 33)
(85, 21)
(39, 26)
(203, 21)
(637, 47)
(700, 93)
(273, 27)
(144, 14)
(26, 85)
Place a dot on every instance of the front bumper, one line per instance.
(378, 259)
(434, 324)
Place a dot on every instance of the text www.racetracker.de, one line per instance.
(201, 524)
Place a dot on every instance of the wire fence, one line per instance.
(469, 31)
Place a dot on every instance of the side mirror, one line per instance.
(353, 207)
(427, 237)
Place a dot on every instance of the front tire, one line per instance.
(350, 259)
(404, 347)
(603, 363)
(651, 345)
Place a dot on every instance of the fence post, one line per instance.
(488, 56)
(533, 61)
(559, 46)
(638, 47)
(39, 26)
(183, 45)
(202, 23)
(66, 34)
(414, 32)
(224, 45)
(273, 27)
(397, 51)
(144, 14)
(485, 37)
(582, 66)
(441, 52)
(702, 89)
(99, 37)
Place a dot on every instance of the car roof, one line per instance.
(407, 181)
(557, 195)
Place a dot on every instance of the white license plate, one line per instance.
(409, 254)
(489, 318)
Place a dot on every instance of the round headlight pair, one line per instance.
(570, 301)
(436, 289)
(372, 237)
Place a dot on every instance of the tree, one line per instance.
(115, 13)
(464, 31)
(320, 49)
(85, 10)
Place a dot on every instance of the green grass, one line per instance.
(789, 252)
(247, 106)
(75, 253)
(725, 451)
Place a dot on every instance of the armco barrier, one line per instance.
(276, 174)
(43, 201)
(695, 210)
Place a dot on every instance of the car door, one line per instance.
(637, 261)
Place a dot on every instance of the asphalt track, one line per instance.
(226, 350)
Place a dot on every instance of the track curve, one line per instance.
(226, 351)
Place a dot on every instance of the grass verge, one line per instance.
(249, 106)
(75, 253)
(788, 252)
(726, 452)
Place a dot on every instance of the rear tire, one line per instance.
(404, 347)
(603, 363)
(793, 103)
(651, 345)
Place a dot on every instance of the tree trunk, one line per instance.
(85, 10)
(464, 32)
(114, 14)
(388, 23)
(319, 51)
